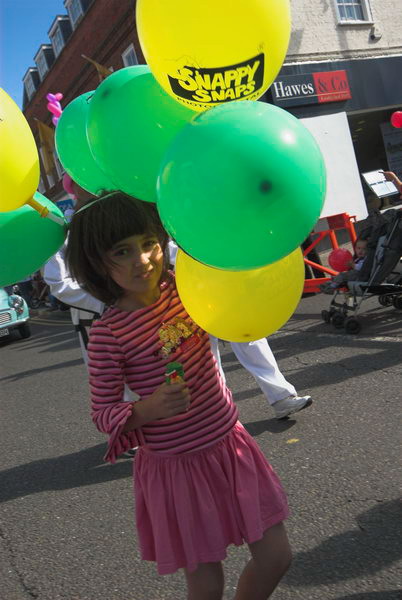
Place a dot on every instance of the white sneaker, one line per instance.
(292, 404)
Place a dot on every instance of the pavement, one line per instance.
(66, 520)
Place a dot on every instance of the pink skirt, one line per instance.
(191, 507)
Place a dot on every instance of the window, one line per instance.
(41, 64)
(74, 9)
(353, 11)
(29, 86)
(129, 56)
(57, 41)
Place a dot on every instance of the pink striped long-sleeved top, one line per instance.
(134, 348)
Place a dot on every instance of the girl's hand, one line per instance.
(168, 399)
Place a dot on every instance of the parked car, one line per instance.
(14, 314)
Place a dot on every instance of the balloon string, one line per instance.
(44, 212)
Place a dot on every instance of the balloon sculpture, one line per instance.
(340, 259)
(54, 106)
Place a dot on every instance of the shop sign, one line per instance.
(311, 88)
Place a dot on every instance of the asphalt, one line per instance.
(66, 520)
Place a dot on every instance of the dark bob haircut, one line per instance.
(96, 228)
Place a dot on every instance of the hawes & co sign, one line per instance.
(311, 88)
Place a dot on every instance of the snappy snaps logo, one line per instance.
(197, 86)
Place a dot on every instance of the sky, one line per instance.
(24, 26)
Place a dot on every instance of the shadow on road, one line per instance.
(64, 472)
(384, 595)
(63, 365)
(375, 544)
(272, 425)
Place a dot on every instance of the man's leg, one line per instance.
(258, 359)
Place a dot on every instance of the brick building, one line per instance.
(102, 30)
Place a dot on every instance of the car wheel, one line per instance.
(24, 330)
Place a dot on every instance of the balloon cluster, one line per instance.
(54, 106)
(239, 184)
(26, 240)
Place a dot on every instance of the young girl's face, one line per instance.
(361, 249)
(136, 264)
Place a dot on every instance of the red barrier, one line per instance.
(335, 223)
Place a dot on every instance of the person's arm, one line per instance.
(109, 412)
(67, 289)
(120, 420)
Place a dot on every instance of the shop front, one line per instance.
(347, 104)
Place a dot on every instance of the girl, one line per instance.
(200, 481)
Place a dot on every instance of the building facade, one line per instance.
(102, 30)
(341, 76)
(345, 58)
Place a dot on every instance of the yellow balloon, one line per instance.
(240, 306)
(19, 161)
(213, 51)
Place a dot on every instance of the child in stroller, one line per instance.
(353, 273)
(378, 275)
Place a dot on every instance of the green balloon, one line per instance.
(131, 123)
(241, 186)
(28, 240)
(73, 148)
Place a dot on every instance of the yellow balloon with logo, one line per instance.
(19, 161)
(213, 51)
(240, 306)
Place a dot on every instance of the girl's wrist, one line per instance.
(140, 415)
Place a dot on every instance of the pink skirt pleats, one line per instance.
(191, 507)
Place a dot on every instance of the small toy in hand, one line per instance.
(174, 372)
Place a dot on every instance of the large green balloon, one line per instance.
(131, 123)
(28, 240)
(241, 186)
(73, 148)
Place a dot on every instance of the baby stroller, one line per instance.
(379, 275)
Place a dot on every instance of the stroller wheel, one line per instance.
(326, 316)
(352, 325)
(397, 302)
(338, 320)
(384, 300)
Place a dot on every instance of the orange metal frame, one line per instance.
(335, 222)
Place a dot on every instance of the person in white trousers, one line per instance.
(257, 358)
